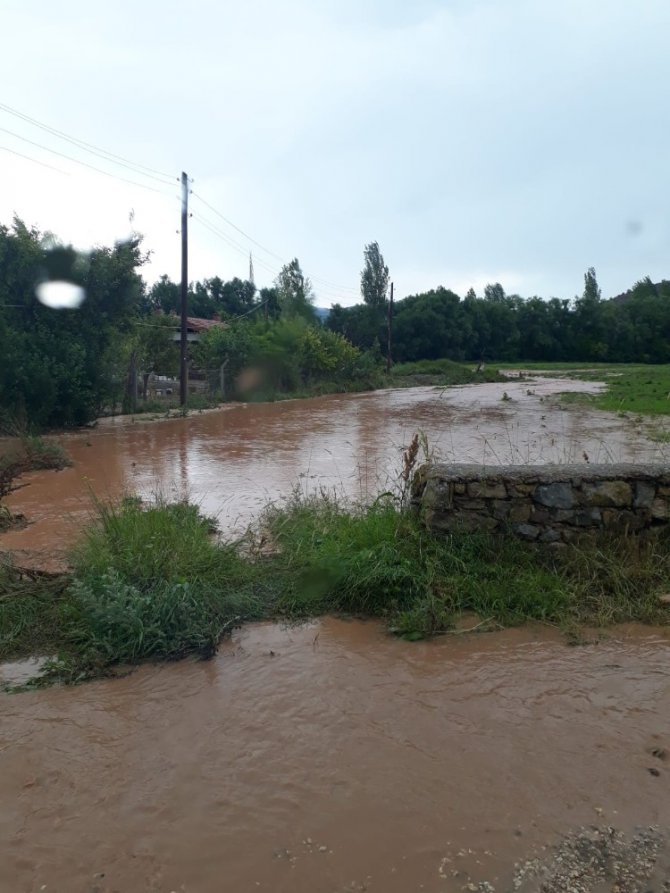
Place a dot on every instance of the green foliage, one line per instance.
(294, 292)
(359, 561)
(120, 622)
(281, 356)
(152, 582)
(374, 277)
(169, 542)
(508, 328)
(639, 389)
(379, 561)
(164, 295)
(441, 372)
(156, 349)
(362, 325)
(62, 368)
(325, 354)
(230, 347)
(206, 299)
(54, 364)
(32, 616)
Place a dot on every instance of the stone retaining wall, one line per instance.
(544, 503)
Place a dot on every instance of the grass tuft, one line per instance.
(153, 582)
(441, 372)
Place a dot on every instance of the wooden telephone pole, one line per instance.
(389, 332)
(183, 366)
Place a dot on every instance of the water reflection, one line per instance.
(234, 460)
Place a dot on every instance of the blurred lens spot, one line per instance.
(249, 379)
(633, 227)
(60, 295)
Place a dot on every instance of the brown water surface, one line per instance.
(234, 460)
(331, 757)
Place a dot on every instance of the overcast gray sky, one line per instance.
(476, 140)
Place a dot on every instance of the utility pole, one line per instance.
(389, 326)
(183, 368)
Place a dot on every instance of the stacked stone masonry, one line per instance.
(545, 503)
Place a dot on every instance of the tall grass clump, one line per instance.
(441, 372)
(616, 580)
(336, 557)
(32, 617)
(151, 581)
(154, 582)
(379, 561)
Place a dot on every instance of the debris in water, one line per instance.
(590, 858)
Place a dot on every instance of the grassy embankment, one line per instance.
(443, 373)
(153, 583)
(631, 388)
(440, 373)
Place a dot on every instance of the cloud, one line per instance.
(519, 135)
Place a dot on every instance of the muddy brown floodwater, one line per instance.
(234, 460)
(328, 757)
(331, 757)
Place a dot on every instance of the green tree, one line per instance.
(226, 350)
(270, 307)
(295, 294)
(165, 295)
(237, 296)
(494, 292)
(374, 277)
(590, 342)
(592, 292)
(55, 364)
(429, 326)
(360, 324)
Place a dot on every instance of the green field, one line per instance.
(631, 388)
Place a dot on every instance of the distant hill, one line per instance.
(322, 312)
(661, 288)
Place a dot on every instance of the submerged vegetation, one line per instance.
(154, 582)
(629, 388)
(23, 455)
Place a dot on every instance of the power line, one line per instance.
(89, 147)
(234, 226)
(145, 171)
(232, 243)
(82, 163)
(35, 161)
(154, 325)
(325, 282)
(334, 293)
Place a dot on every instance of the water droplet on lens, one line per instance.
(60, 295)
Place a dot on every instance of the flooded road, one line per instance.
(328, 757)
(234, 460)
(331, 757)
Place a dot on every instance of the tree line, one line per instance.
(633, 327)
(65, 367)
(61, 368)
